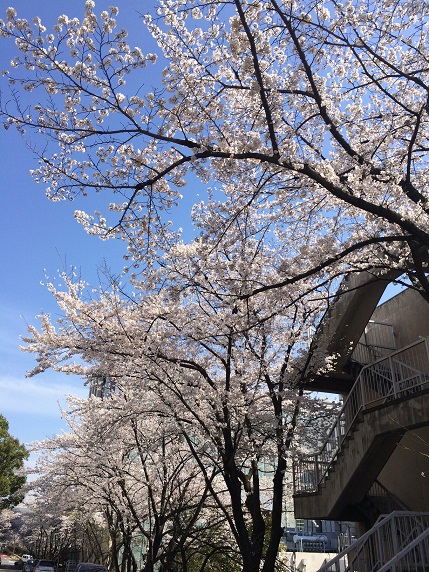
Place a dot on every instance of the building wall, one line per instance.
(408, 312)
(406, 474)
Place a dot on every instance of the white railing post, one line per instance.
(393, 531)
(360, 380)
(392, 372)
(339, 435)
(316, 471)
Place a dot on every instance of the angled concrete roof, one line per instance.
(344, 323)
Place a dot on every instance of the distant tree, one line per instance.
(55, 526)
(12, 456)
(9, 526)
(134, 474)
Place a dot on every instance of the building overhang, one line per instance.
(343, 325)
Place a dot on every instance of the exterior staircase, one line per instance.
(382, 405)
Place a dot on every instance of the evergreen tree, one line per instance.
(12, 455)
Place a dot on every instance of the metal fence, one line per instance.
(404, 372)
(399, 541)
(377, 341)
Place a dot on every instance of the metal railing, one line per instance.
(398, 537)
(384, 500)
(404, 372)
(377, 341)
(413, 557)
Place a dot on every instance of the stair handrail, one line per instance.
(402, 553)
(392, 497)
(355, 402)
(359, 544)
(378, 347)
(381, 521)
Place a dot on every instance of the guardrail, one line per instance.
(403, 372)
(402, 536)
(377, 341)
(415, 556)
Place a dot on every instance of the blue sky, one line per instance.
(39, 237)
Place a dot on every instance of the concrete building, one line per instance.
(374, 466)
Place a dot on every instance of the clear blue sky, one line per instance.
(39, 236)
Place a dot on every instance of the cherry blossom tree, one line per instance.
(307, 123)
(9, 528)
(71, 508)
(58, 523)
(224, 372)
(125, 469)
(325, 103)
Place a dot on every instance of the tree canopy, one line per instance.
(12, 456)
(311, 114)
(307, 125)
